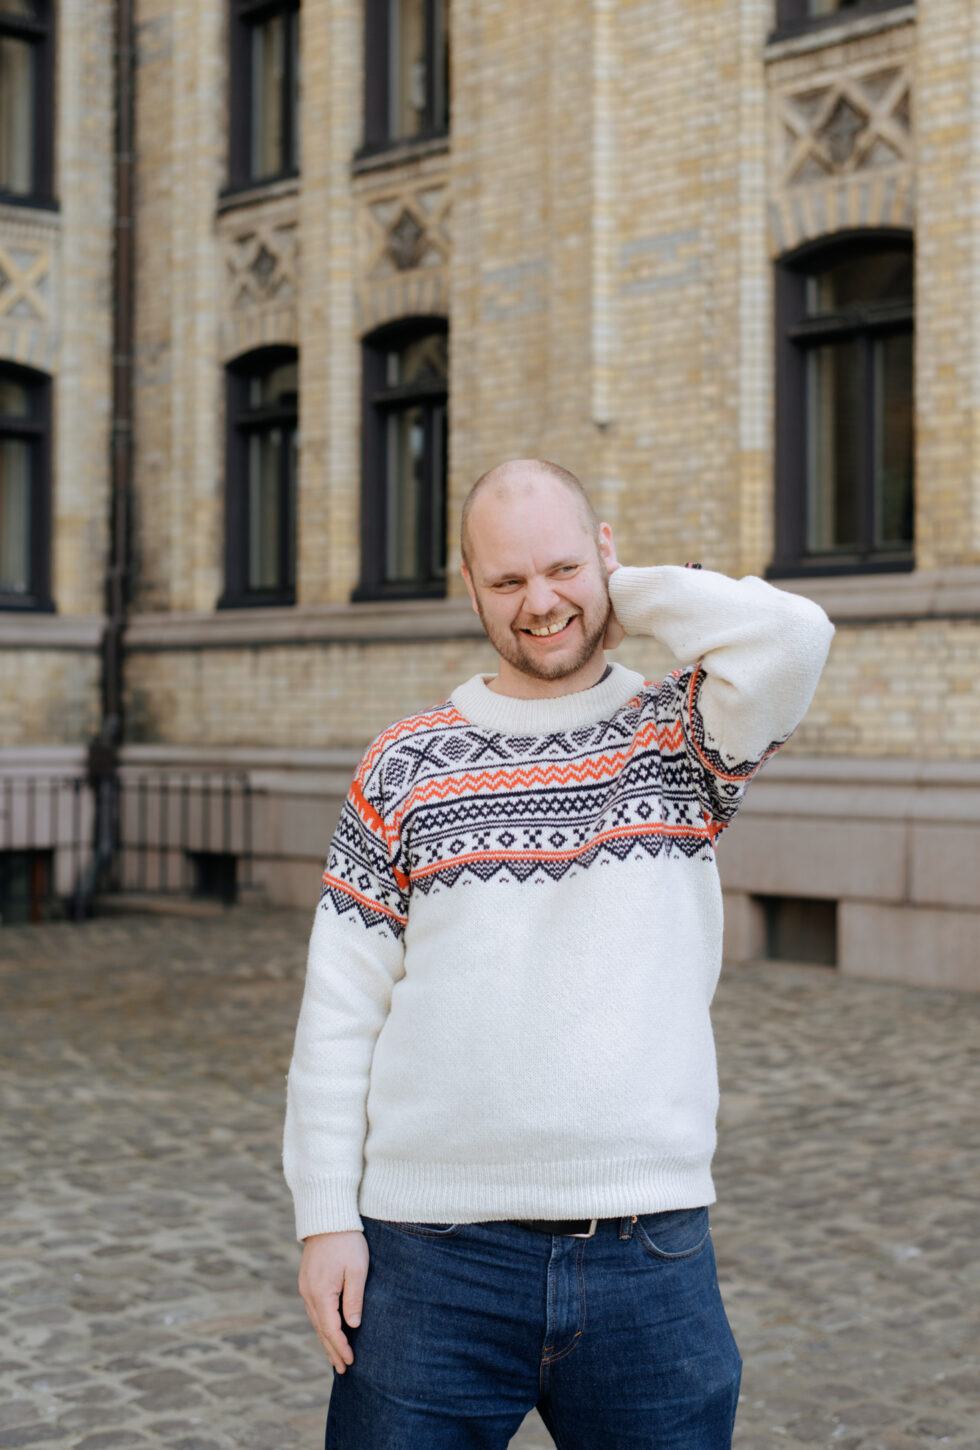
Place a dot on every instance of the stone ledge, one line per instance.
(952, 593)
(397, 621)
(50, 631)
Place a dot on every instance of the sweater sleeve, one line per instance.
(355, 958)
(753, 654)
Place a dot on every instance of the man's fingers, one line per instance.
(332, 1333)
(325, 1318)
(354, 1281)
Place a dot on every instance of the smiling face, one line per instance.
(537, 577)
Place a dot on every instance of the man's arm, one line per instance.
(355, 957)
(756, 654)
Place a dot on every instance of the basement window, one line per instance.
(800, 929)
(25, 887)
(215, 875)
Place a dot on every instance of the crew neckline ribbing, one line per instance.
(512, 716)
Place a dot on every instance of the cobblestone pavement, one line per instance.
(147, 1263)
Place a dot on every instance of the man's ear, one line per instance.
(467, 580)
(607, 548)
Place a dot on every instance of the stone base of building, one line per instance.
(878, 861)
(867, 866)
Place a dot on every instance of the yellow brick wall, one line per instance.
(48, 697)
(890, 690)
(947, 283)
(609, 291)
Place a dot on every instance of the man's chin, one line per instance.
(556, 669)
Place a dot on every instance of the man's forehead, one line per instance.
(505, 500)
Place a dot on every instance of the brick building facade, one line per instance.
(670, 246)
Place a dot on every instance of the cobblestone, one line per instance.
(147, 1260)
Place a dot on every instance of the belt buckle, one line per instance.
(591, 1232)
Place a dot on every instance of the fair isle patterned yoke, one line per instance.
(437, 798)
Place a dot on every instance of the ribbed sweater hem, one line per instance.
(325, 1205)
(404, 1192)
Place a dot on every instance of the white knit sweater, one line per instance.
(506, 1011)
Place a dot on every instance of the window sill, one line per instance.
(285, 599)
(868, 598)
(12, 201)
(404, 621)
(251, 193)
(383, 156)
(819, 34)
(831, 566)
(39, 629)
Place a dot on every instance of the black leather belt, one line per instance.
(576, 1228)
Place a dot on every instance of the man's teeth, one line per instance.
(551, 628)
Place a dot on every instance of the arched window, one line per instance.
(26, 100)
(844, 406)
(406, 71)
(25, 489)
(793, 16)
(404, 451)
(260, 484)
(264, 74)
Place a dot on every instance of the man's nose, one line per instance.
(540, 597)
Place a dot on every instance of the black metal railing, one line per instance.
(67, 841)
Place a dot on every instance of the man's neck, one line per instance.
(514, 682)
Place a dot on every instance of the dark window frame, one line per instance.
(377, 402)
(37, 429)
(244, 14)
(793, 18)
(377, 89)
(40, 32)
(241, 422)
(793, 330)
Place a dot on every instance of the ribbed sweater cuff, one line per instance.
(326, 1205)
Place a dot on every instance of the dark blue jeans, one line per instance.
(620, 1340)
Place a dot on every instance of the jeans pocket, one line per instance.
(680, 1233)
(424, 1230)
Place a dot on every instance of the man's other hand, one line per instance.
(615, 633)
(334, 1267)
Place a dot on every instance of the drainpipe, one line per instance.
(103, 751)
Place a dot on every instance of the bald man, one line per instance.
(502, 1098)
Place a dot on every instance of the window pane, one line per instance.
(264, 451)
(16, 115)
(437, 541)
(15, 400)
(293, 158)
(834, 447)
(292, 445)
(276, 388)
(424, 361)
(440, 107)
(404, 484)
(268, 78)
(861, 281)
(407, 71)
(830, 7)
(15, 516)
(894, 463)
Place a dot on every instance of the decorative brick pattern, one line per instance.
(403, 244)
(260, 250)
(842, 149)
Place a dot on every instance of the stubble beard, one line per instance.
(509, 645)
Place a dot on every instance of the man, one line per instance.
(503, 1091)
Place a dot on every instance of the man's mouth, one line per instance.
(545, 631)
